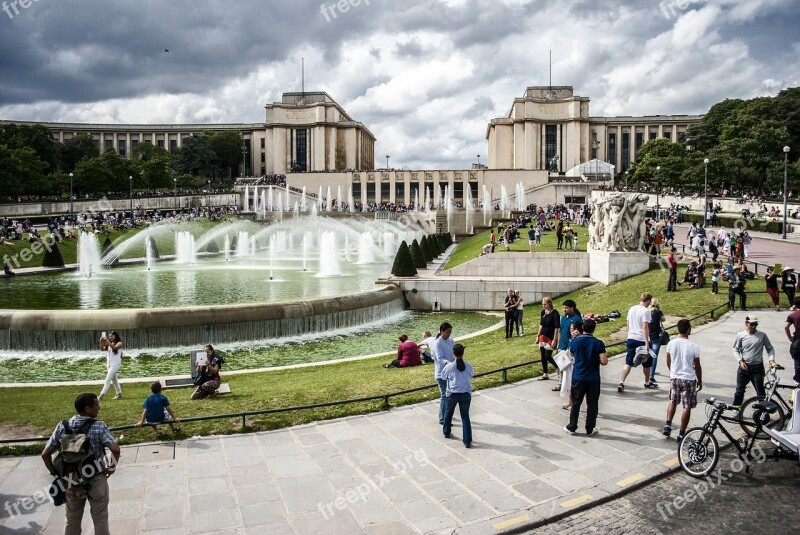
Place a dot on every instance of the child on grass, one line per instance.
(157, 410)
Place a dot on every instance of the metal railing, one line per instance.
(380, 397)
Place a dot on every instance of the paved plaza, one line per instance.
(393, 472)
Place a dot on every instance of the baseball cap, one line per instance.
(751, 319)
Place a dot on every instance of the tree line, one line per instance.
(743, 141)
(34, 164)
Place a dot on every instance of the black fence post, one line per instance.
(386, 403)
(505, 375)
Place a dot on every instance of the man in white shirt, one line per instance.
(638, 336)
(686, 377)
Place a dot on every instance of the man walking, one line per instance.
(736, 287)
(570, 315)
(748, 349)
(685, 375)
(638, 336)
(589, 354)
(95, 488)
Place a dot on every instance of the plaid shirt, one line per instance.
(99, 436)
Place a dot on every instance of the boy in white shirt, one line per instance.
(686, 377)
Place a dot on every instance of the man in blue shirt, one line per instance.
(589, 354)
(571, 315)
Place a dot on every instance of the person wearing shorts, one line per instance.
(686, 377)
(638, 336)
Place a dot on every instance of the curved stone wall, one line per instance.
(65, 330)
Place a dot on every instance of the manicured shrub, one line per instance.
(417, 256)
(213, 247)
(52, 257)
(403, 263)
(426, 250)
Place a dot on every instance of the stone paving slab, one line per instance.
(393, 472)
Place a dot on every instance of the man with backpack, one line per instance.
(76, 454)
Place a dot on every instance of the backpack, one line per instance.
(74, 453)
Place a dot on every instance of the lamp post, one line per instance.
(595, 146)
(785, 186)
(130, 183)
(479, 161)
(658, 191)
(705, 193)
(175, 191)
(209, 196)
(387, 162)
(70, 194)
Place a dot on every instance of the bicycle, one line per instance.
(698, 450)
(783, 413)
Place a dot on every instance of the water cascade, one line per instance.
(303, 202)
(184, 248)
(148, 253)
(470, 211)
(487, 201)
(226, 249)
(351, 205)
(246, 200)
(242, 244)
(521, 201)
(448, 206)
(328, 201)
(504, 204)
(88, 255)
(389, 245)
(308, 243)
(365, 249)
(328, 258)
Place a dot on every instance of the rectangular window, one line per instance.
(301, 150)
(442, 186)
(370, 192)
(639, 141)
(173, 145)
(458, 190)
(263, 142)
(681, 137)
(386, 191)
(414, 190)
(121, 147)
(96, 143)
(653, 135)
(400, 192)
(263, 157)
(550, 144)
(109, 144)
(668, 135)
(612, 149)
(626, 150)
(160, 143)
(356, 191)
(430, 191)
(134, 144)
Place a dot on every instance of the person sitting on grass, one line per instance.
(408, 354)
(157, 410)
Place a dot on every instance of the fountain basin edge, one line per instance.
(65, 330)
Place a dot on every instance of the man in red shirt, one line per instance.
(672, 262)
(407, 354)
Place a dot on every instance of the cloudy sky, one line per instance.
(425, 76)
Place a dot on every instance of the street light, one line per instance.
(785, 185)
(705, 194)
(658, 190)
(479, 161)
(209, 196)
(595, 146)
(387, 162)
(175, 191)
(130, 182)
(70, 194)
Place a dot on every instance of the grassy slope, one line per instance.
(471, 247)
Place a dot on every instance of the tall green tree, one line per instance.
(74, 150)
(153, 166)
(195, 156)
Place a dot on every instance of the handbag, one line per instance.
(199, 379)
(562, 360)
(663, 338)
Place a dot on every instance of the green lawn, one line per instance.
(470, 248)
(40, 408)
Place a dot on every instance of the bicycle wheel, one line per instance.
(698, 452)
(747, 418)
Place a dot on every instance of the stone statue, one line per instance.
(618, 223)
(553, 165)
